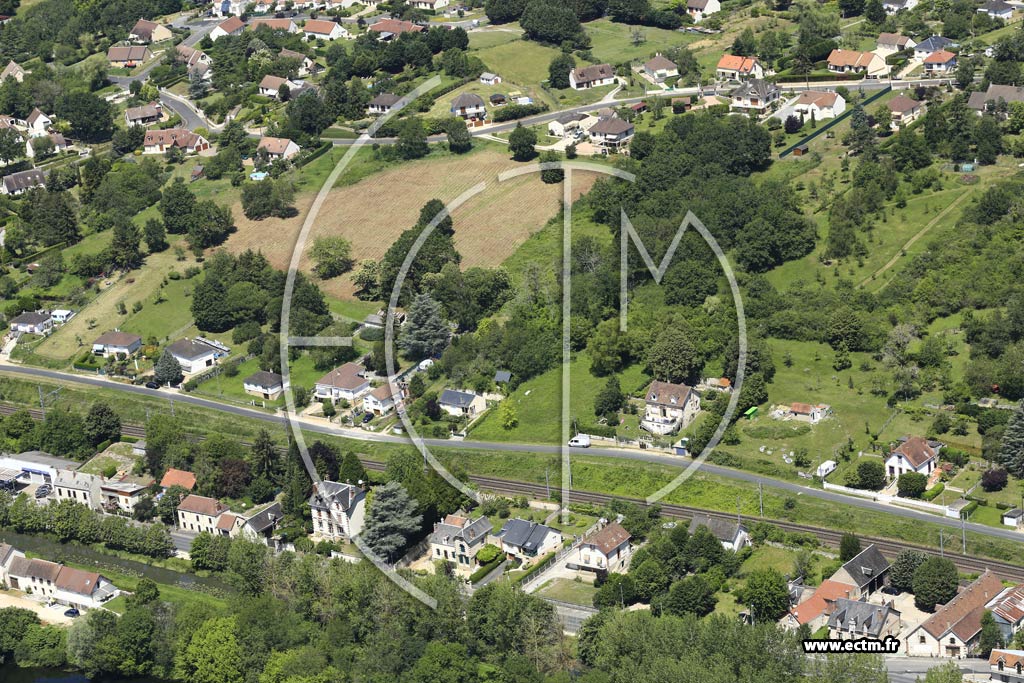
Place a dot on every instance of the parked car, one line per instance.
(43, 491)
(367, 417)
(72, 613)
(152, 385)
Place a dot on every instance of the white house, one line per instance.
(930, 45)
(13, 70)
(347, 382)
(266, 385)
(32, 322)
(199, 513)
(38, 123)
(382, 103)
(669, 407)
(820, 105)
(738, 68)
(57, 141)
(890, 43)
(754, 95)
(231, 26)
(608, 550)
(487, 78)
(428, 4)
(893, 6)
(660, 68)
(1013, 518)
(527, 540)
(457, 539)
(468, 106)
(337, 510)
(905, 110)
(461, 403)
(306, 65)
(565, 125)
(116, 343)
(23, 181)
(123, 495)
(160, 141)
(856, 62)
(699, 9)
(914, 454)
(79, 487)
(940, 62)
(380, 401)
(953, 630)
(286, 25)
(319, 29)
(71, 587)
(813, 414)
(997, 9)
(61, 315)
(610, 134)
(1006, 666)
(584, 77)
(278, 148)
(730, 533)
(193, 356)
(271, 86)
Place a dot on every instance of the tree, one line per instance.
(901, 575)
(351, 469)
(692, 595)
(870, 475)
(167, 369)
(944, 673)
(213, 654)
(268, 197)
(874, 11)
(125, 248)
(767, 594)
(551, 176)
(849, 547)
(444, 663)
(792, 125)
(994, 479)
(412, 140)
(935, 583)
(550, 21)
(102, 424)
(860, 138)
(991, 637)
(146, 593)
(11, 145)
(507, 415)
(911, 484)
(673, 357)
(333, 256)
(459, 139)
(51, 217)
(610, 399)
(91, 117)
(391, 520)
(308, 113)
(988, 135)
(177, 204)
(426, 332)
(559, 69)
(1011, 451)
(521, 141)
(155, 235)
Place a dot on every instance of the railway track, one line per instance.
(828, 537)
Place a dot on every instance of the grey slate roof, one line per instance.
(756, 87)
(467, 100)
(933, 43)
(24, 180)
(329, 492)
(30, 318)
(867, 566)
(265, 519)
(612, 125)
(722, 529)
(264, 379)
(502, 376)
(862, 618)
(452, 397)
(1006, 93)
(529, 536)
(190, 349)
(385, 99)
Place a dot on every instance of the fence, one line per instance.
(887, 499)
(559, 555)
(834, 122)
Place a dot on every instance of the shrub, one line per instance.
(994, 479)
(911, 484)
(933, 492)
(534, 568)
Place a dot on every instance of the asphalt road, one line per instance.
(618, 453)
(189, 118)
(912, 669)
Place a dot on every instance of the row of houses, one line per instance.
(54, 582)
(313, 29)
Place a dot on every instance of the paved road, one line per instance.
(912, 669)
(189, 118)
(182, 539)
(618, 453)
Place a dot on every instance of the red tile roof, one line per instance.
(940, 57)
(743, 65)
(916, 450)
(813, 607)
(609, 538)
(395, 26)
(210, 507)
(961, 616)
(173, 477)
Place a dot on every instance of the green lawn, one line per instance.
(168, 319)
(568, 590)
(518, 61)
(614, 43)
(480, 40)
(538, 404)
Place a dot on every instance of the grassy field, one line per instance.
(613, 42)
(568, 590)
(517, 61)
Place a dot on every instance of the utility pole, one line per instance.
(760, 498)
(963, 532)
(547, 483)
(738, 506)
(42, 403)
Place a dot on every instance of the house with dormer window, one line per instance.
(669, 407)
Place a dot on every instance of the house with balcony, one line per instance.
(611, 134)
(754, 96)
(668, 407)
(347, 382)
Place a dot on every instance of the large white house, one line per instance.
(608, 550)
(461, 403)
(527, 540)
(914, 454)
(116, 343)
(192, 355)
(584, 77)
(669, 407)
(346, 382)
(323, 30)
(457, 539)
(380, 401)
(71, 587)
(32, 322)
(820, 105)
(337, 510)
(199, 513)
(699, 9)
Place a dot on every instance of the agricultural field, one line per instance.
(373, 212)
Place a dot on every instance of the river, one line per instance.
(49, 549)
(10, 673)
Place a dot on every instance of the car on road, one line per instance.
(152, 385)
(72, 613)
(43, 491)
(580, 441)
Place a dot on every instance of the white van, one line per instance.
(580, 441)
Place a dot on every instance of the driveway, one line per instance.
(48, 615)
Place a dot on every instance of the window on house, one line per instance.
(921, 640)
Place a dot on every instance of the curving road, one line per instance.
(618, 453)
